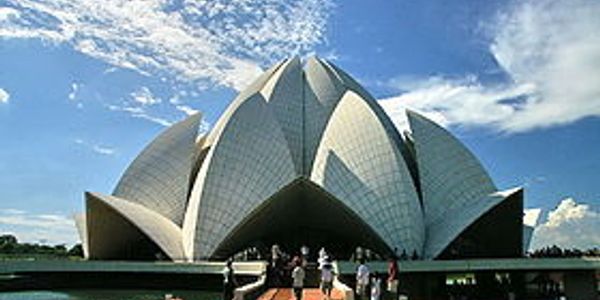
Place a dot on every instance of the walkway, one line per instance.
(307, 294)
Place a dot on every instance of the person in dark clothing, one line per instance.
(229, 282)
(392, 279)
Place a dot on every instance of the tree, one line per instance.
(76, 250)
(8, 239)
(8, 243)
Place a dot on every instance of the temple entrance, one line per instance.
(303, 214)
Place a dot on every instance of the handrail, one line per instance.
(337, 284)
(248, 290)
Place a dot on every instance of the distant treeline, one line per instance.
(11, 248)
(555, 251)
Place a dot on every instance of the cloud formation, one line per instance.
(215, 42)
(137, 106)
(4, 96)
(531, 216)
(550, 50)
(570, 225)
(463, 101)
(28, 227)
(73, 93)
(145, 97)
(186, 109)
(103, 150)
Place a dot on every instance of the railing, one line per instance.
(251, 290)
(337, 284)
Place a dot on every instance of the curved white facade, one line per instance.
(298, 131)
(451, 177)
(159, 177)
(249, 162)
(104, 229)
(359, 164)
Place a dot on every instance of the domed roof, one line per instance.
(305, 135)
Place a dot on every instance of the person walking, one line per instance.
(298, 278)
(229, 282)
(304, 250)
(392, 279)
(362, 279)
(375, 287)
(327, 275)
(322, 256)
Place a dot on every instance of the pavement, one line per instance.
(307, 294)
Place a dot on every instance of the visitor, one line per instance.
(359, 255)
(362, 279)
(415, 255)
(275, 255)
(298, 278)
(403, 256)
(392, 279)
(304, 251)
(276, 266)
(229, 282)
(322, 257)
(375, 287)
(327, 274)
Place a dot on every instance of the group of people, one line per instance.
(369, 285)
(285, 270)
(368, 255)
(327, 273)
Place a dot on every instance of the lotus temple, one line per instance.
(304, 156)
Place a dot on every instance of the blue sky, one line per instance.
(84, 85)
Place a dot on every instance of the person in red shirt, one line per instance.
(392, 279)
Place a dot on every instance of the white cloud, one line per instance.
(531, 216)
(73, 93)
(100, 149)
(187, 110)
(129, 109)
(154, 119)
(550, 49)
(219, 42)
(145, 97)
(455, 101)
(554, 45)
(570, 225)
(75, 87)
(175, 100)
(11, 211)
(6, 13)
(140, 113)
(141, 101)
(38, 228)
(4, 96)
(103, 150)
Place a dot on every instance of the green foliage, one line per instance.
(76, 251)
(10, 248)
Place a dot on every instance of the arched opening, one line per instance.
(303, 214)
